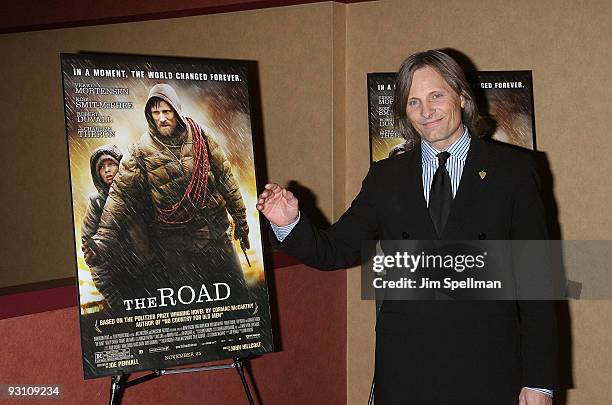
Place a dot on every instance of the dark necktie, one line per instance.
(440, 194)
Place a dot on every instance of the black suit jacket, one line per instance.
(447, 352)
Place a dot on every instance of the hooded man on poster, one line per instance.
(180, 178)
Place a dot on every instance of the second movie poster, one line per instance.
(167, 237)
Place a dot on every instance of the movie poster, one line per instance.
(504, 97)
(167, 238)
(384, 140)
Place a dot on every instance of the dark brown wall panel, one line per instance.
(29, 15)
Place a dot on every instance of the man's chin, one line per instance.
(439, 139)
(433, 138)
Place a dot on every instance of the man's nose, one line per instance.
(427, 110)
(162, 117)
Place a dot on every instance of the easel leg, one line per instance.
(240, 370)
(371, 396)
(115, 389)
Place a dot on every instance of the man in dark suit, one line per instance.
(450, 185)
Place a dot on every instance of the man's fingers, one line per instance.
(530, 397)
(271, 193)
(271, 190)
(522, 400)
(264, 196)
(288, 194)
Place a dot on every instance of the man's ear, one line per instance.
(462, 100)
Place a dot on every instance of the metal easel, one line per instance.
(119, 383)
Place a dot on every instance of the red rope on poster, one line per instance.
(194, 197)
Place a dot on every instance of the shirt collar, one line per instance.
(457, 149)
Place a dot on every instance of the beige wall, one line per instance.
(567, 46)
(293, 47)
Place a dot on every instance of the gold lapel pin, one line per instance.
(482, 174)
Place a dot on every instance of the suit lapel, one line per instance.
(414, 199)
(471, 186)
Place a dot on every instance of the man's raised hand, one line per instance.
(278, 204)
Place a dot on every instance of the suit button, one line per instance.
(405, 235)
(482, 236)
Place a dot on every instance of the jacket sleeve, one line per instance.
(92, 217)
(340, 245)
(121, 205)
(101, 275)
(539, 332)
(228, 187)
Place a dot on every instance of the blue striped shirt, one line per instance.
(281, 232)
(455, 163)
